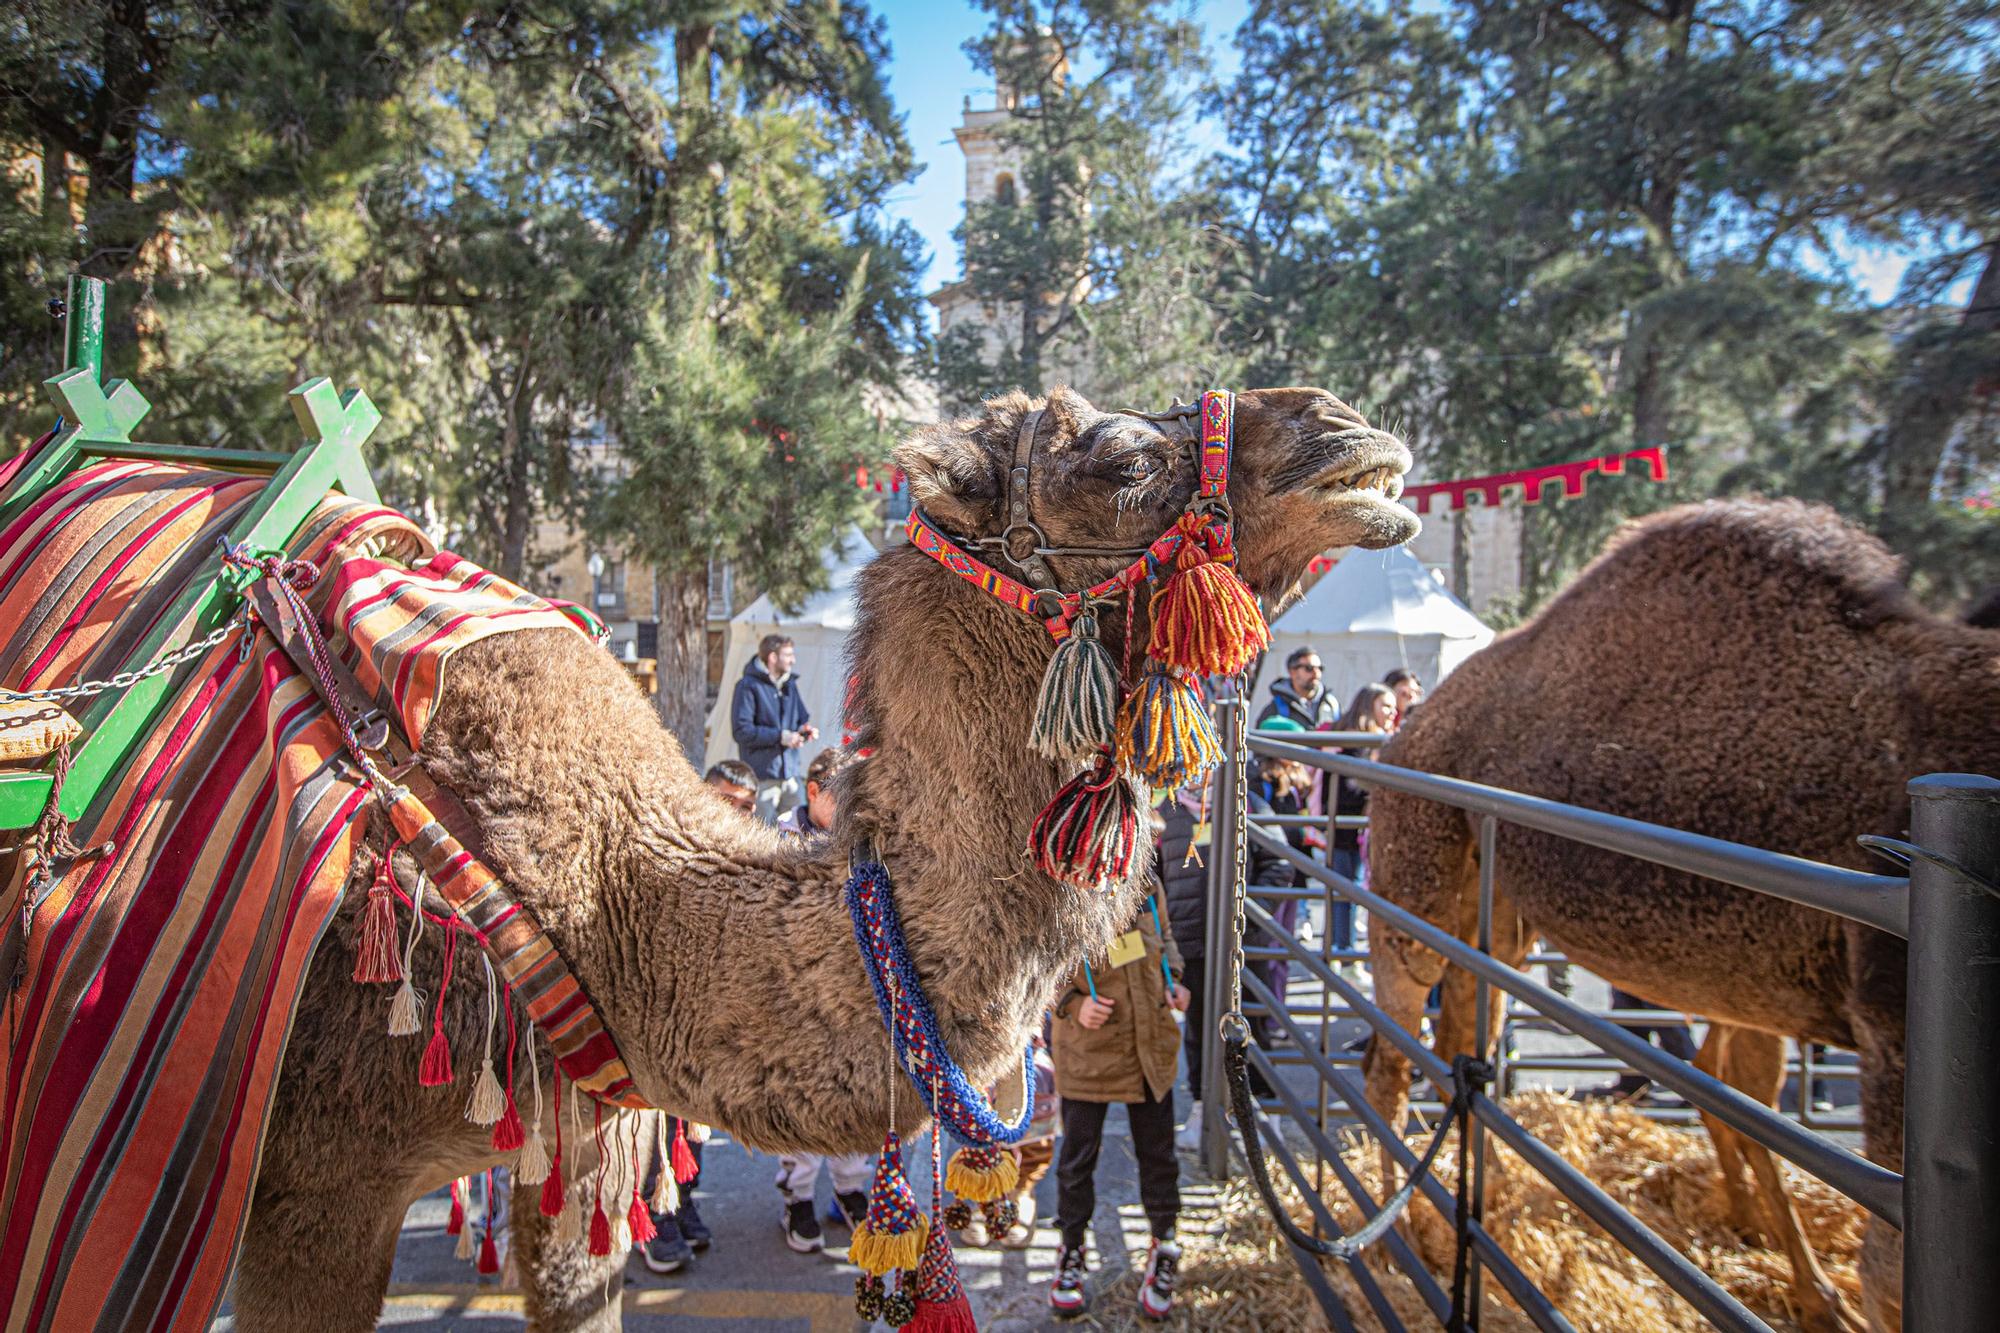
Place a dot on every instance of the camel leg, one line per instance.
(1880, 1046)
(1739, 1186)
(1754, 1063)
(1404, 972)
(1458, 1007)
(317, 1259)
(568, 1289)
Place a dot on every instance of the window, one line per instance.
(1003, 191)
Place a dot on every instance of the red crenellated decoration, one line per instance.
(1532, 480)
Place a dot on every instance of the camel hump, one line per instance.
(1791, 548)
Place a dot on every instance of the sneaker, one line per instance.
(1189, 1138)
(802, 1231)
(1156, 1291)
(693, 1229)
(1066, 1296)
(848, 1209)
(668, 1251)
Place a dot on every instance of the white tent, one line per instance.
(1373, 611)
(819, 632)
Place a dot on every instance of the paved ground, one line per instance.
(749, 1281)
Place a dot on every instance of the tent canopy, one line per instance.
(819, 631)
(1372, 612)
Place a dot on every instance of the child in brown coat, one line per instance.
(1115, 1039)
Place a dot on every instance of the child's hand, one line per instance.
(1179, 999)
(1094, 1012)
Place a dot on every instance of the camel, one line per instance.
(722, 959)
(1750, 670)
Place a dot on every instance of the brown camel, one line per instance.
(722, 959)
(1749, 670)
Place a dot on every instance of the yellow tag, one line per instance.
(1127, 948)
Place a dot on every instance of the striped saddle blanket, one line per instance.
(157, 983)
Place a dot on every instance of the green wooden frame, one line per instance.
(103, 416)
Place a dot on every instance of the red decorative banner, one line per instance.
(1531, 480)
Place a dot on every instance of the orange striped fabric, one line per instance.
(157, 984)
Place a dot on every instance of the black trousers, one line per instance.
(1152, 1124)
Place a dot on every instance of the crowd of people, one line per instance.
(1118, 1034)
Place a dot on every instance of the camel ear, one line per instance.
(1069, 414)
(955, 476)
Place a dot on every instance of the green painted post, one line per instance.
(83, 327)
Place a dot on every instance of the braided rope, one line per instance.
(913, 1027)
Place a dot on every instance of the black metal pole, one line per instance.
(1951, 1099)
(1221, 939)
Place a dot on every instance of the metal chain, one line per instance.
(125, 680)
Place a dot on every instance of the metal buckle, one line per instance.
(1014, 552)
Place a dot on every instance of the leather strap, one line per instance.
(1020, 539)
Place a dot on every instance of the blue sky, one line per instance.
(930, 76)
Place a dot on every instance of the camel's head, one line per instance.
(1307, 474)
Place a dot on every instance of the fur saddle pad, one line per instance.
(156, 984)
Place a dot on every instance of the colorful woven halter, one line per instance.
(1209, 511)
(1202, 622)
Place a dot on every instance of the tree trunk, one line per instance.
(519, 507)
(1939, 374)
(683, 656)
(1461, 556)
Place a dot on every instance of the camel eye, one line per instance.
(1140, 469)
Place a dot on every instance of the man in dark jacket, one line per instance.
(770, 723)
(1303, 696)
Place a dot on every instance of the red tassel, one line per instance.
(376, 959)
(456, 1222)
(489, 1257)
(552, 1188)
(435, 1071)
(1087, 832)
(1205, 619)
(640, 1220)
(637, 1216)
(600, 1225)
(941, 1303)
(684, 1163)
(508, 1132)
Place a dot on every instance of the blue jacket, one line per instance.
(758, 712)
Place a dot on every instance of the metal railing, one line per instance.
(1947, 908)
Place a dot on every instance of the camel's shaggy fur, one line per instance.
(723, 959)
(1754, 671)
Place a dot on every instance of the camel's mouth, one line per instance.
(1360, 485)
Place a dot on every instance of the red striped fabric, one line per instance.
(159, 982)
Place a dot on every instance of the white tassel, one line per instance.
(465, 1248)
(404, 1019)
(487, 1103)
(569, 1223)
(532, 1167)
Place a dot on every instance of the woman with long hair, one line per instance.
(1372, 709)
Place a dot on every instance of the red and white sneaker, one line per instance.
(1156, 1291)
(1066, 1294)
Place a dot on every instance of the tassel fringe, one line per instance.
(1164, 736)
(435, 1071)
(639, 1220)
(941, 1306)
(1078, 703)
(600, 1231)
(403, 1020)
(456, 1222)
(982, 1174)
(508, 1135)
(489, 1255)
(376, 958)
(1087, 832)
(533, 1166)
(1206, 619)
(891, 1237)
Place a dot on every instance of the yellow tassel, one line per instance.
(1164, 736)
(882, 1253)
(982, 1174)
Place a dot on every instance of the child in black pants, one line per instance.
(1115, 1039)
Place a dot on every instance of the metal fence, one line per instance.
(1948, 909)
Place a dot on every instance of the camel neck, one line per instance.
(945, 685)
